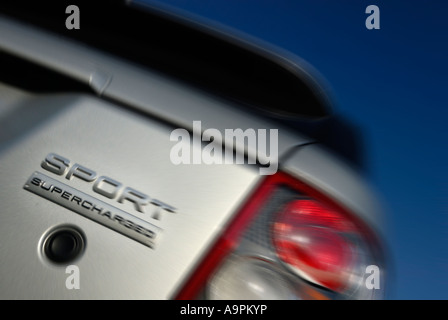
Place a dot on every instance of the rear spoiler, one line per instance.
(216, 60)
(188, 51)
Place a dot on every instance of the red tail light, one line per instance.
(289, 241)
(309, 238)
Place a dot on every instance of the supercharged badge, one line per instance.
(93, 208)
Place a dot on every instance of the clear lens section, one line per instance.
(249, 278)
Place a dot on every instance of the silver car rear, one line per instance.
(95, 167)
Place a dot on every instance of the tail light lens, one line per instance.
(289, 241)
(310, 240)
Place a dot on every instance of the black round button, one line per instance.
(64, 245)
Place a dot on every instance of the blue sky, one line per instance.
(392, 84)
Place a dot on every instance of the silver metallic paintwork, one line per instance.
(132, 149)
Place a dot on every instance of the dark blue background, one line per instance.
(392, 83)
